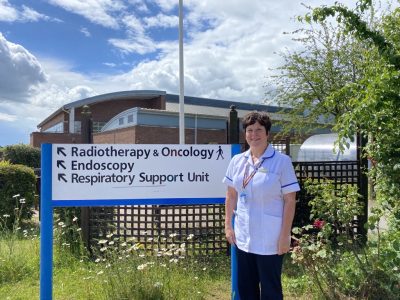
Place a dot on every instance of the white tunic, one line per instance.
(258, 217)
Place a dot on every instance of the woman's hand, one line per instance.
(230, 235)
(283, 244)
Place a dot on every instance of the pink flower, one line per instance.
(319, 224)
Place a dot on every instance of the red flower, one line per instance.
(319, 224)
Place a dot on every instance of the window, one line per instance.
(121, 121)
(77, 127)
(97, 126)
(57, 128)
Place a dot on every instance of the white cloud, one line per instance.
(97, 11)
(85, 32)
(167, 5)
(7, 117)
(28, 14)
(229, 60)
(135, 44)
(111, 65)
(20, 72)
(161, 20)
(9, 13)
(133, 25)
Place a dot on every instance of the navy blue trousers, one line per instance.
(259, 276)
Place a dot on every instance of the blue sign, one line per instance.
(107, 175)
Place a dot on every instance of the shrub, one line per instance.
(17, 185)
(21, 154)
(340, 264)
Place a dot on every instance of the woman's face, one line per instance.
(256, 135)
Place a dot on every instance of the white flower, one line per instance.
(103, 249)
(78, 229)
(149, 239)
(74, 219)
(60, 223)
(102, 242)
(141, 267)
(111, 243)
(204, 269)
(22, 200)
(97, 260)
(109, 235)
(15, 196)
(158, 284)
(6, 216)
(190, 236)
(99, 273)
(172, 235)
(173, 260)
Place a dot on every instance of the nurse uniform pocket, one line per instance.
(273, 225)
(241, 224)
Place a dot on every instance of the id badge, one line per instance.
(243, 196)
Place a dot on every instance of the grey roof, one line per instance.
(143, 94)
(222, 103)
(172, 98)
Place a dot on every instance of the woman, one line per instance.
(261, 193)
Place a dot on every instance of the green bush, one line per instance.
(21, 154)
(339, 264)
(17, 190)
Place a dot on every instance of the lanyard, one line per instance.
(246, 177)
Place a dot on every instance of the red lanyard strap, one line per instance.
(246, 177)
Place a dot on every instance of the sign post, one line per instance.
(107, 175)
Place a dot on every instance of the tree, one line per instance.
(327, 61)
(374, 100)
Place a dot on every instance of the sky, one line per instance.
(53, 52)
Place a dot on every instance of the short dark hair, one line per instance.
(257, 116)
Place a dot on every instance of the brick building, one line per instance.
(144, 117)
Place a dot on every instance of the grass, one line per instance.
(124, 274)
(132, 277)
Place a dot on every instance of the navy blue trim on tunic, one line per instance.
(228, 178)
(289, 184)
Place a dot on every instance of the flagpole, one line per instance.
(181, 82)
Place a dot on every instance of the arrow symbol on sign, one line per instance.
(61, 149)
(60, 163)
(62, 176)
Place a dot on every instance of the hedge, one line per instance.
(16, 180)
(21, 154)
